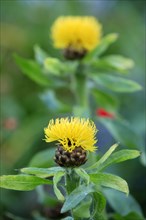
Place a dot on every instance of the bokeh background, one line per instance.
(24, 113)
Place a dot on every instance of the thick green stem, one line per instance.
(72, 182)
(79, 87)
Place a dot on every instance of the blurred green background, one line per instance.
(24, 114)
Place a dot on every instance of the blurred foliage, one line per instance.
(23, 113)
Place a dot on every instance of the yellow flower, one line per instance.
(77, 33)
(72, 133)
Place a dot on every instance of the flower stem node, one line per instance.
(70, 159)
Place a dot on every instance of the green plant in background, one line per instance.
(80, 189)
(89, 80)
(87, 77)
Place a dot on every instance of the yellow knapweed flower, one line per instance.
(72, 133)
(77, 33)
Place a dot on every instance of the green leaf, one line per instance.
(76, 197)
(42, 172)
(101, 48)
(43, 158)
(22, 182)
(33, 70)
(82, 173)
(55, 66)
(126, 135)
(121, 203)
(104, 100)
(115, 83)
(122, 132)
(109, 180)
(118, 157)
(83, 210)
(115, 63)
(100, 201)
(57, 177)
(104, 157)
(130, 216)
(40, 54)
(67, 218)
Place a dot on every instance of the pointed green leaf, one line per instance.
(115, 63)
(101, 47)
(100, 201)
(82, 173)
(104, 157)
(110, 180)
(55, 66)
(22, 182)
(114, 83)
(83, 210)
(118, 157)
(57, 177)
(76, 197)
(121, 203)
(42, 172)
(33, 70)
(40, 54)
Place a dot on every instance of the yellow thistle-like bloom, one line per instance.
(77, 33)
(72, 133)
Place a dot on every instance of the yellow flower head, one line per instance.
(72, 133)
(77, 33)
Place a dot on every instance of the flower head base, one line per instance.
(70, 159)
(76, 35)
(75, 136)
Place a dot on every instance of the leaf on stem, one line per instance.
(103, 158)
(42, 172)
(55, 66)
(22, 182)
(56, 179)
(83, 210)
(100, 201)
(101, 48)
(116, 63)
(33, 70)
(110, 180)
(40, 54)
(115, 83)
(82, 173)
(76, 197)
(118, 157)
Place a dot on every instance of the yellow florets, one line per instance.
(72, 133)
(77, 33)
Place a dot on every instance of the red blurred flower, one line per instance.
(101, 112)
(10, 123)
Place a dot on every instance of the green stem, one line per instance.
(71, 182)
(79, 87)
